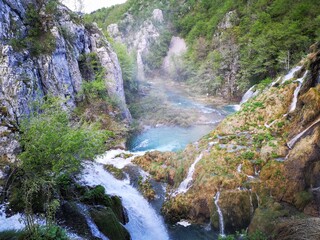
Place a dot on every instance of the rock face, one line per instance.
(138, 40)
(26, 77)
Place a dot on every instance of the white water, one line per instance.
(184, 223)
(249, 94)
(221, 223)
(296, 93)
(239, 168)
(293, 141)
(115, 157)
(186, 183)
(14, 222)
(93, 227)
(144, 223)
(291, 73)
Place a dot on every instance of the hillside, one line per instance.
(231, 45)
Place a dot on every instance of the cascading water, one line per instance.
(249, 94)
(296, 93)
(221, 223)
(93, 227)
(293, 141)
(290, 74)
(14, 222)
(186, 183)
(144, 223)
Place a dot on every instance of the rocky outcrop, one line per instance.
(26, 76)
(139, 39)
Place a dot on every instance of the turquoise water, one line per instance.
(167, 138)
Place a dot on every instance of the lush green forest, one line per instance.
(271, 35)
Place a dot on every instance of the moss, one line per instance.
(117, 173)
(146, 188)
(301, 199)
(12, 235)
(108, 224)
(97, 196)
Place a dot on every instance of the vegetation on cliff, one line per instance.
(249, 40)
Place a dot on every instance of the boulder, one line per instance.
(108, 224)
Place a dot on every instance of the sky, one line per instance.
(92, 5)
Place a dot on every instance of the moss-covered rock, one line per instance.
(72, 216)
(108, 223)
(97, 196)
(237, 208)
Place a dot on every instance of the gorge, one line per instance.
(160, 120)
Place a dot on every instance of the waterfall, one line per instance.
(93, 227)
(221, 223)
(291, 73)
(293, 141)
(239, 168)
(144, 223)
(296, 93)
(140, 66)
(185, 184)
(249, 94)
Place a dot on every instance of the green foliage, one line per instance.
(39, 39)
(52, 146)
(158, 51)
(128, 67)
(248, 155)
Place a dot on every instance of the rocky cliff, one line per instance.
(41, 46)
(138, 39)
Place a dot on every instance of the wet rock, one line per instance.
(72, 216)
(237, 208)
(108, 224)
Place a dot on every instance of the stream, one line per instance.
(145, 220)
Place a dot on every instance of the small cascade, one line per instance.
(186, 183)
(93, 227)
(269, 125)
(275, 82)
(118, 158)
(221, 223)
(144, 223)
(293, 141)
(296, 93)
(291, 73)
(249, 94)
(258, 199)
(251, 205)
(239, 168)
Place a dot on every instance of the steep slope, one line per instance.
(231, 45)
(259, 167)
(44, 48)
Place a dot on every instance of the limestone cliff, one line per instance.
(27, 74)
(138, 39)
